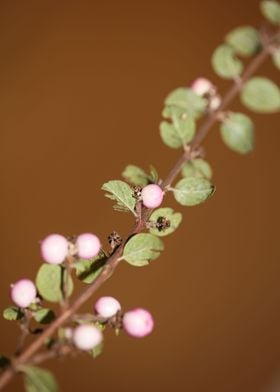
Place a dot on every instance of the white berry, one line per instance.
(88, 245)
(138, 322)
(23, 293)
(152, 196)
(107, 307)
(54, 249)
(87, 336)
(202, 86)
(215, 102)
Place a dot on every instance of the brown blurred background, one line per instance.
(82, 86)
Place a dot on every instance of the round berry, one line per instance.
(138, 322)
(54, 249)
(87, 336)
(152, 196)
(23, 292)
(88, 245)
(215, 102)
(202, 86)
(107, 307)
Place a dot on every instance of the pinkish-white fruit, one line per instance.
(202, 86)
(138, 322)
(152, 196)
(23, 292)
(107, 306)
(88, 245)
(54, 249)
(87, 336)
(215, 102)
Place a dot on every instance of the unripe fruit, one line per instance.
(54, 249)
(87, 336)
(202, 86)
(107, 307)
(152, 196)
(88, 245)
(138, 322)
(23, 293)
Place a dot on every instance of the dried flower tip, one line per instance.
(114, 239)
(162, 223)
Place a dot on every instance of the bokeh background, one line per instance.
(82, 86)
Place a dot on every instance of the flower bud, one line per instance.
(54, 249)
(107, 307)
(138, 322)
(23, 293)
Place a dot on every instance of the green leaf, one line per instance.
(38, 380)
(197, 168)
(175, 219)
(49, 281)
(135, 175)
(261, 95)
(4, 362)
(224, 62)
(97, 350)
(271, 10)
(142, 248)
(178, 133)
(237, 132)
(186, 100)
(192, 191)
(245, 40)
(276, 57)
(44, 316)
(13, 313)
(89, 270)
(153, 177)
(122, 193)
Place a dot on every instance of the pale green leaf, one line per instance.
(89, 270)
(49, 281)
(225, 63)
(38, 380)
(276, 57)
(193, 190)
(271, 10)
(245, 40)
(135, 175)
(237, 132)
(261, 95)
(44, 316)
(97, 350)
(142, 248)
(175, 219)
(197, 168)
(178, 133)
(186, 100)
(122, 193)
(13, 313)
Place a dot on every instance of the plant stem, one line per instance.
(113, 261)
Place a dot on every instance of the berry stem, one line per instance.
(113, 261)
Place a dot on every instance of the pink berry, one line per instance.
(215, 102)
(138, 322)
(87, 336)
(107, 307)
(23, 292)
(54, 249)
(88, 245)
(152, 196)
(202, 86)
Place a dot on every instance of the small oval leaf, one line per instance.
(197, 168)
(44, 316)
(135, 175)
(142, 248)
(175, 219)
(237, 132)
(121, 192)
(49, 282)
(224, 62)
(192, 191)
(186, 100)
(89, 270)
(38, 380)
(261, 95)
(13, 313)
(271, 11)
(245, 40)
(178, 133)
